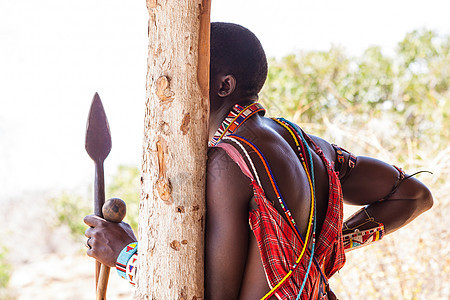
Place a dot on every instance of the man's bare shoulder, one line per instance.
(225, 179)
(325, 146)
(220, 164)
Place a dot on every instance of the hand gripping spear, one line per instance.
(98, 146)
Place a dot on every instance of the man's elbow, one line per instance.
(424, 200)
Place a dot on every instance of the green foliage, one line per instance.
(70, 208)
(125, 185)
(405, 96)
(5, 268)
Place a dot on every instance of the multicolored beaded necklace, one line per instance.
(237, 116)
(298, 134)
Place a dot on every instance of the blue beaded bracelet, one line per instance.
(124, 256)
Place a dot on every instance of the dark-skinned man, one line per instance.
(274, 225)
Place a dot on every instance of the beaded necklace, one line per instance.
(236, 117)
(307, 163)
(298, 134)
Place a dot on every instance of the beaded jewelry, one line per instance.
(131, 269)
(301, 149)
(236, 117)
(357, 238)
(308, 141)
(340, 162)
(124, 257)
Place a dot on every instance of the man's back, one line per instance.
(279, 150)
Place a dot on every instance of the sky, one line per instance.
(55, 54)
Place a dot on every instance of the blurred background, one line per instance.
(372, 77)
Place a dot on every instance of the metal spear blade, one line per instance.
(98, 135)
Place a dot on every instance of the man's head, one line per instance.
(236, 51)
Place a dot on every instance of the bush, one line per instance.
(5, 268)
(70, 208)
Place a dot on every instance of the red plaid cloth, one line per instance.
(279, 246)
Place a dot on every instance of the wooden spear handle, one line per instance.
(99, 200)
(102, 283)
(113, 210)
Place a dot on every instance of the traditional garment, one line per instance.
(279, 245)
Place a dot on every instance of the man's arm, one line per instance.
(228, 192)
(370, 182)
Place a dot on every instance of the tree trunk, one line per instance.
(172, 208)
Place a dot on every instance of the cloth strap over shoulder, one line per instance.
(234, 154)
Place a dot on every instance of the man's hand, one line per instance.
(106, 239)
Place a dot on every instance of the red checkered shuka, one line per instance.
(279, 246)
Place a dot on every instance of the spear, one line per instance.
(98, 146)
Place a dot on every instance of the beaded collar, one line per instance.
(236, 117)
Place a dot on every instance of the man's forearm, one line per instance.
(409, 201)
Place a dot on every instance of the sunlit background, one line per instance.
(54, 55)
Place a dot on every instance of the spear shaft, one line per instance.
(99, 200)
(99, 189)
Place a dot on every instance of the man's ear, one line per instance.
(227, 86)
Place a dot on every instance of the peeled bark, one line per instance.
(172, 208)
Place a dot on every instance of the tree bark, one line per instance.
(172, 208)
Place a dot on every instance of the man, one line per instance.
(287, 185)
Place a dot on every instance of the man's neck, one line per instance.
(218, 115)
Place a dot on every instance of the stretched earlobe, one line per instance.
(227, 86)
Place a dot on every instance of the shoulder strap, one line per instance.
(234, 154)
